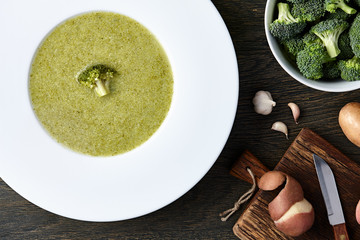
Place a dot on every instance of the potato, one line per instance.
(290, 211)
(298, 219)
(271, 180)
(349, 120)
(357, 212)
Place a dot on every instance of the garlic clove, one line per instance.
(295, 111)
(280, 127)
(263, 102)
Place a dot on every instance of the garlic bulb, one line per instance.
(263, 102)
(280, 127)
(295, 111)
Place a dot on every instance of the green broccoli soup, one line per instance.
(136, 90)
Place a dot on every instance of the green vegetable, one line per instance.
(354, 34)
(294, 45)
(332, 5)
(329, 31)
(310, 10)
(338, 14)
(331, 70)
(286, 26)
(326, 39)
(350, 69)
(345, 47)
(310, 61)
(97, 77)
(310, 38)
(296, 1)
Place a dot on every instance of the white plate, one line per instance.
(158, 172)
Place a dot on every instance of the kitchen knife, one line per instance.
(331, 198)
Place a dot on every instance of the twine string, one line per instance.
(244, 198)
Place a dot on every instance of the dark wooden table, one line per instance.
(195, 215)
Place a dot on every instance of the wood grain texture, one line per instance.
(245, 161)
(255, 223)
(195, 215)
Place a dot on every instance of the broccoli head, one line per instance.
(310, 10)
(354, 35)
(350, 69)
(293, 45)
(345, 47)
(329, 31)
(332, 5)
(286, 26)
(310, 61)
(97, 77)
(331, 70)
(296, 1)
(310, 38)
(338, 14)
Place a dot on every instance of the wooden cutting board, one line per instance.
(255, 222)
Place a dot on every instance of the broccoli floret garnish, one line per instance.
(286, 26)
(310, 61)
(97, 77)
(350, 69)
(331, 70)
(293, 45)
(311, 10)
(345, 47)
(329, 31)
(332, 5)
(354, 35)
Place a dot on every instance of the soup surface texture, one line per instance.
(141, 90)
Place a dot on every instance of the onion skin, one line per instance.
(349, 121)
(357, 212)
(290, 211)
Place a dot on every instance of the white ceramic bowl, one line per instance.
(290, 67)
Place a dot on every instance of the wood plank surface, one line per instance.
(255, 222)
(196, 214)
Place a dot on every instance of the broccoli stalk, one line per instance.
(97, 77)
(284, 13)
(329, 31)
(332, 5)
(286, 26)
(350, 69)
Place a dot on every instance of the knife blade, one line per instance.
(331, 198)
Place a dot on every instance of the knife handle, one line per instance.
(248, 160)
(340, 232)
